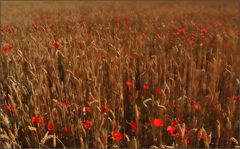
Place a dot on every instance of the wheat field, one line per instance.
(77, 74)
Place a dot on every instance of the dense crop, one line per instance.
(119, 75)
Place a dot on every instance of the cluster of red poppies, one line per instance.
(145, 87)
(117, 136)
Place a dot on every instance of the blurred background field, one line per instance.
(119, 74)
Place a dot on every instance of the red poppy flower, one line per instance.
(10, 108)
(38, 120)
(181, 30)
(197, 107)
(204, 30)
(64, 103)
(56, 45)
(129, 83)
(234, 97)
(91, 100)
(146, 87)
(202, 135)
(105, 107)
(187, 130)
(172, 130)
(173, 123)
(131, 57)
(68, 129)
(176, 33)
(86, 109)
(191, 42)
(117, 136)
(158, 91)
(50, 127)
(7, 49)
(133, 125)
(157, 122)
(35, 119)
(87, 124)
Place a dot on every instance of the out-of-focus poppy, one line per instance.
(10, 108)
(129, 83)
(86, 109)
(87, 124)
(158, 91)
(56, 45)
(157, 122)
(7, 49)
(234, 97)
(146, 87)
(191, 42)
(38, 120)
(172, 130)
(50, 127)
(105, 107)
(117, 136)
(133, 125)
(68, 129)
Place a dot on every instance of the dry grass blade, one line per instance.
(32, 128)
(45, 138)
